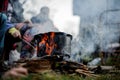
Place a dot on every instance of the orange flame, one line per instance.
(49, 43)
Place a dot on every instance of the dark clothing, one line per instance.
(17, 10)
(8, 44)
(3, 5)
(6, 41)
(3, 28)
(17, 13)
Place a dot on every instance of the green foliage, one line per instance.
(109, 77)
(51, 75)
(114, 60)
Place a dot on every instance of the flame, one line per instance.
(48, 42)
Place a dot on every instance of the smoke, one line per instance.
(94, 24)
(110, 28)
(87, 41)
(99, 26)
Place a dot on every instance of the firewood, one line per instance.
(55, 63)
(83, 73)
(86, 71)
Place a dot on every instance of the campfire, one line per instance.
(52, 48)
(52, 43)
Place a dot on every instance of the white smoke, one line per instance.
(60, 14)
(94, 27)
(99, 26)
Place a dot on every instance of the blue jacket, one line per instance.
(4, 26)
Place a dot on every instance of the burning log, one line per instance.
(52, 48)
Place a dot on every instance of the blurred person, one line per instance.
(15, 73)
(10, 34)
(16, 11)
(4, 27)
(42, 17)
(7, 27)
(11, 39)
(42, 22)
(13, 9)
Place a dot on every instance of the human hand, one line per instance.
(14, 32)
(15, 73)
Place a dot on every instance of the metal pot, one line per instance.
(60, 40)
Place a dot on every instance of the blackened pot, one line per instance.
(61, 41)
